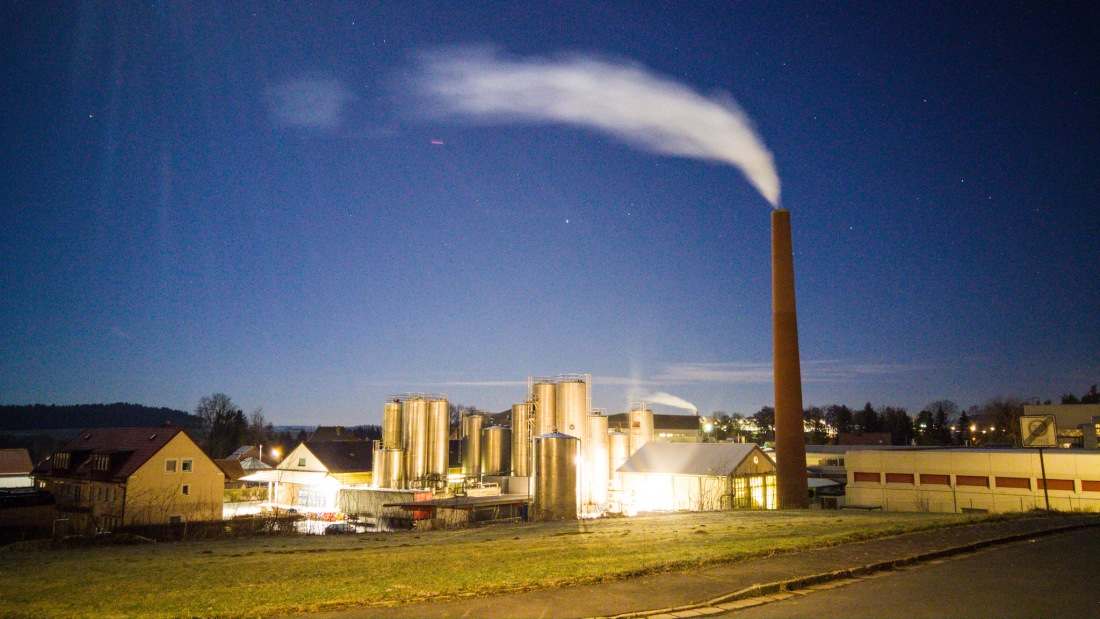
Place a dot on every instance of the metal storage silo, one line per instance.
(439, 432)
(394, 468)
(543, 401)
(641, 426)
(619, 451)
(571, 406)
(596, 459)
(521, 439)
(391, 425)
(415, 412)
(378, 464)
(471, 446)
(496, 451)
(555, 495)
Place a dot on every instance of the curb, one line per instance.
(802, 582)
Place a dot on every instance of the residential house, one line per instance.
(110, 477)
(309, 479)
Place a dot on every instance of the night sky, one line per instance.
(255, 199)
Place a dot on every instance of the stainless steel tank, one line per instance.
(378, 465)
(543, 401)
(389, 468)
(619, 451)
(596, 460)
(471, 446)
(439, 432)
(496, 451)
(521, 439)
(571, 406)
(641, 426)
(415, 412)
(555, 495)
(391, 426)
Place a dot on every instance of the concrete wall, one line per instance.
(962, 479)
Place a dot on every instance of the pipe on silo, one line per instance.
(790, 439)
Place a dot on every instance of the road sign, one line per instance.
(1038, 431)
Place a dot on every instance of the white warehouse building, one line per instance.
(959, 480)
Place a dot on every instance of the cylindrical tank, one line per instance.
(415, 412)
(596, 461)
(471, 446)
(555, 495)
(391, 426)
(619, 448)
(389, 468)
(543, 400)
(641, 426)
(571, 406)
(496, 450)
(521, 439)
(378, 464)
(439, 432)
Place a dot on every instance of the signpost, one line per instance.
(1039, 431)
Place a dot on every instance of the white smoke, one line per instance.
(660, 397)
(638, 107)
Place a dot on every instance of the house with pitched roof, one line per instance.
(309, 479)
(105, 478)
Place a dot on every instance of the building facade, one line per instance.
(106, 478)
(981, 480)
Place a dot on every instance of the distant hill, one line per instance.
(24, 417)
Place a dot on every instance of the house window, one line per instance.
(186, 465)
(100, 462)
(186, 489)
(301, 461)
(175, 520)
(61, 461)
(170, 465)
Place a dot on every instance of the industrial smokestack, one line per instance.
(790, 440)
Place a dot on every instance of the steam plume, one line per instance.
(626, 101)
(660, 397)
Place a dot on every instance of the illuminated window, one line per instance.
(170, 465)
(186, 465)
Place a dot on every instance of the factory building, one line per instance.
(978, 480)
(698, 476)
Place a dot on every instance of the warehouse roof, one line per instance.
(695, 458)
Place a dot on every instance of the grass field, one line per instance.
(263, 577)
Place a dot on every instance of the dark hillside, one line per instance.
(29, 417)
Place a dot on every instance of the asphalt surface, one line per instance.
(1049, 576)
(727, 587)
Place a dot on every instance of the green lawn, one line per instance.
(276, 576)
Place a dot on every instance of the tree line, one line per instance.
(942, 422)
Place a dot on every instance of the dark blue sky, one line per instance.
(241, 197)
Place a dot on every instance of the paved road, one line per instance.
(1055, 576)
